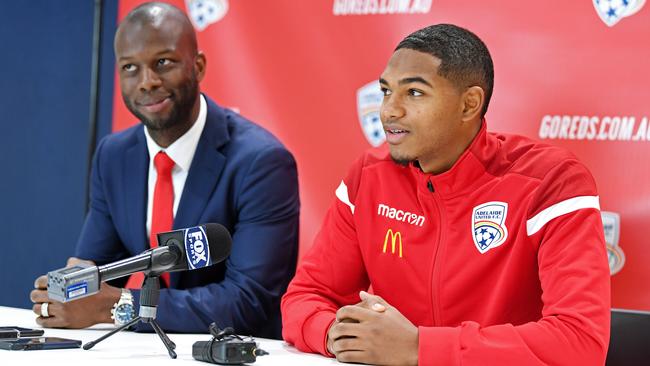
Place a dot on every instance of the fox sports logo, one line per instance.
(197, 248)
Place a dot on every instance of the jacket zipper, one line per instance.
(435, 269)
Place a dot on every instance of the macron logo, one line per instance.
(400, 215)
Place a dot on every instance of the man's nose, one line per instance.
(391, 109)
(149, 80)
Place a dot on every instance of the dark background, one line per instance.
(46, 68)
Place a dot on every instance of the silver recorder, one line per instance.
(71, 283)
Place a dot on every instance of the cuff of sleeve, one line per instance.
(438, 346)
(315, 331)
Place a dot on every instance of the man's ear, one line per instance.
(199, 66)
(473, 100)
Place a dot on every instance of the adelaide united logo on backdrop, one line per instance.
(489, 225)
(612, 228)
(206, 12)
(612, 11)
(369, 98)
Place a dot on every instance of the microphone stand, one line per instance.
(149, 296)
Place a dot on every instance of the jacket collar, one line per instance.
(205, 170)
(467, 172)
(136, 170)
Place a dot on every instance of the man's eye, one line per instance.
(128, 67)
(386, 91)
(415, 93)
(164, 62)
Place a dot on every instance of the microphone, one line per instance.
(206, 245)
(179, 250)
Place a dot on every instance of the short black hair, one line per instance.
(465, 60)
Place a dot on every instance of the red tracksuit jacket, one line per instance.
(499, 261)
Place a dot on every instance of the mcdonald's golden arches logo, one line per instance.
(395, 241)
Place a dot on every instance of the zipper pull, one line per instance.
(430, 186)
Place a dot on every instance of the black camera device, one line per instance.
(226, 348)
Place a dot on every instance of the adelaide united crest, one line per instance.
(489, 225)
(612, 11)
(369, 98)
(206, 12)
(612, 228)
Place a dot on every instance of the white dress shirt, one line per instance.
(181, 152)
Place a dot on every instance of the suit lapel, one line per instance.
(201, 181)
(206, 168)
(207, 164)
(136, 172)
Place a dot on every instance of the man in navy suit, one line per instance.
(225, 169)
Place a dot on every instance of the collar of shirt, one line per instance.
(182, 150)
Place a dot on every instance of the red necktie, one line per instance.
(162, 214)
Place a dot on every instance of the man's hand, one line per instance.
(373, 332)
(76, 314)
(365, 302)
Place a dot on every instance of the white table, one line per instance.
(130, 348)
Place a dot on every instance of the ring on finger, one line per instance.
(44, 310)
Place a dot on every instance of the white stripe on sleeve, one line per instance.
(536, 223)
(342, 195)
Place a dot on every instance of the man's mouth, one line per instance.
(395, 135)
(155, 105)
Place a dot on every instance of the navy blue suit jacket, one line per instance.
(241, 177)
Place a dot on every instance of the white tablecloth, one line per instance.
(130, 348)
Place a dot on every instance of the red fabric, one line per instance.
(538, 298)
(162, 216)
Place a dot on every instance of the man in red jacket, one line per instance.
(480, 248)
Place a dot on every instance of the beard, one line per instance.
(401, 159)
(183, 101)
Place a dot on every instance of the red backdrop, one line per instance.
(562, 75)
